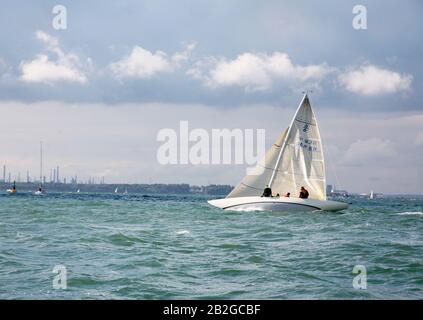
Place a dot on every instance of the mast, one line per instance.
(41, 163)
(272, 178)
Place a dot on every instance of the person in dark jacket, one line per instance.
(303, 193)
(267, 192)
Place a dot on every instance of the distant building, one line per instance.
(196, 189)
(333, 192)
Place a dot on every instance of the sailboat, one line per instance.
(372, 196)
(40, 190)
(116, 190)
(13, 190)
(295, 160)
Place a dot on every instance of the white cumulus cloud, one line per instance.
(179, 58)
(141, 63)
(144, 64)
(371, 80)
(362, 152)
(259, 71)
(66, 66)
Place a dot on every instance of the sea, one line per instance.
(138, 246)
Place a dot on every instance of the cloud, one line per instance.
(184, 56)
(4, 68)
(144, 64)
(2, 65)
(362, 152)
(141, 63)
(418, 141)
(43, 70)
(49, 40)
(257, 72)
(371, 80)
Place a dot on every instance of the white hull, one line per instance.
(281, 204)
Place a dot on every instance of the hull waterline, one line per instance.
(277, 204)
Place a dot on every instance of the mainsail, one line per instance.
(295, 160)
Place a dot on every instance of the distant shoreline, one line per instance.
(156, 188)
(153, 188)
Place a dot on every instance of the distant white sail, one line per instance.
(295, 160)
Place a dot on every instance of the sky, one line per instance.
(98, 92)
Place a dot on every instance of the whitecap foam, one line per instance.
(416, 213)
(249, 209)
(180, 232)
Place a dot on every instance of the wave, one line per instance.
(182, 232)
(416, 213)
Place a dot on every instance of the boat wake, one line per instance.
(416, 213)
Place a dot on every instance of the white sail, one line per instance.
(301, 160)
(295, 160)
(253, 185)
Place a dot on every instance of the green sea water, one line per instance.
(179, 247)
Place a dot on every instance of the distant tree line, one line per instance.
(158, 188)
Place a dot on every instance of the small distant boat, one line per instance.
(295, 160)
(40, 190)
(13, 190)
(116, 190)
(372, 196)
(78, 191)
